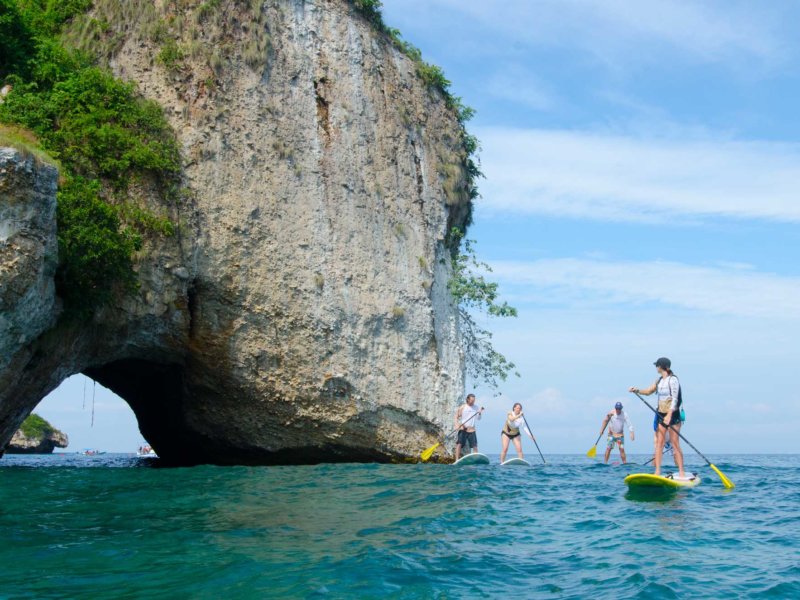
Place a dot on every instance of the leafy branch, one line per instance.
(472, 291)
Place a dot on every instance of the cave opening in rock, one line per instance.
(155, 392)
(192, 415)
(90, 417)
(120, 406)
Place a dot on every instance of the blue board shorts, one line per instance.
(615, 440)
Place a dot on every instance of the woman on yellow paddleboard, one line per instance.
(669, 412)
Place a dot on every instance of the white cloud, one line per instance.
(611, 177)
(619, 32)
(706, 289)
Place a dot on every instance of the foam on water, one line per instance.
(108, 526)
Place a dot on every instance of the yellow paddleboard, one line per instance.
(648, 480)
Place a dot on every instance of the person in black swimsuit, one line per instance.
(510, 431)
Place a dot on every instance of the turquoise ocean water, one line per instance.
(113, 527)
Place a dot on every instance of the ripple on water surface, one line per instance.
(110, 527)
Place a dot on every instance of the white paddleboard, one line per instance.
(475, 458)
(521, 462)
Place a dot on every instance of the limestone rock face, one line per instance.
(28, 258)
(28, 250)
(301, 314)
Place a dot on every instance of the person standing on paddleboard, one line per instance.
(510, 432)
(669, 413)
(617, 419)
(466, 415)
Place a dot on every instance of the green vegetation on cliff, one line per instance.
(35, 427)
(179, 32)
(23, 140)
(16, 40)
(107, 140)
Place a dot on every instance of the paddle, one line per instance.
(725, 481)
(428, 452)
(528, 429)
(593, 450)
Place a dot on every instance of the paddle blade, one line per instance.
(592, 452)
(426, 454)
(725, 481)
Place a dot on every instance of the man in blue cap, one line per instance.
(616, 421)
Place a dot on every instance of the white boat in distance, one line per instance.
(146, 452)
(91, 452)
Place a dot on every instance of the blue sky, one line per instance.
(642, 170)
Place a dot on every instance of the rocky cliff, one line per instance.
(301, 312)
(36, 436)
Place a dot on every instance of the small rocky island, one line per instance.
(36, 436)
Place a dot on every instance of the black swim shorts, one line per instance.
(676, 417)
(467, 438)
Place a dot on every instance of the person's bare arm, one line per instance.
(644, 391)
(605, 422)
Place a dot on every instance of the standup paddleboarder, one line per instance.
(669, 412)
(510, 432)
(466, 415)
(617, 419)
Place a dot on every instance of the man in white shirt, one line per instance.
(466, 415)
(616, 421)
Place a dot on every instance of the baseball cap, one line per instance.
(663, 362)
(618, 405)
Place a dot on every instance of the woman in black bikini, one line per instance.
(511, 431)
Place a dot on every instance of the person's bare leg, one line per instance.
(608, 453)
(659, 449)
(677, 453)
(622, 454)
(504, 441)
(458, 451)
(518, 444)
(655, 444)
